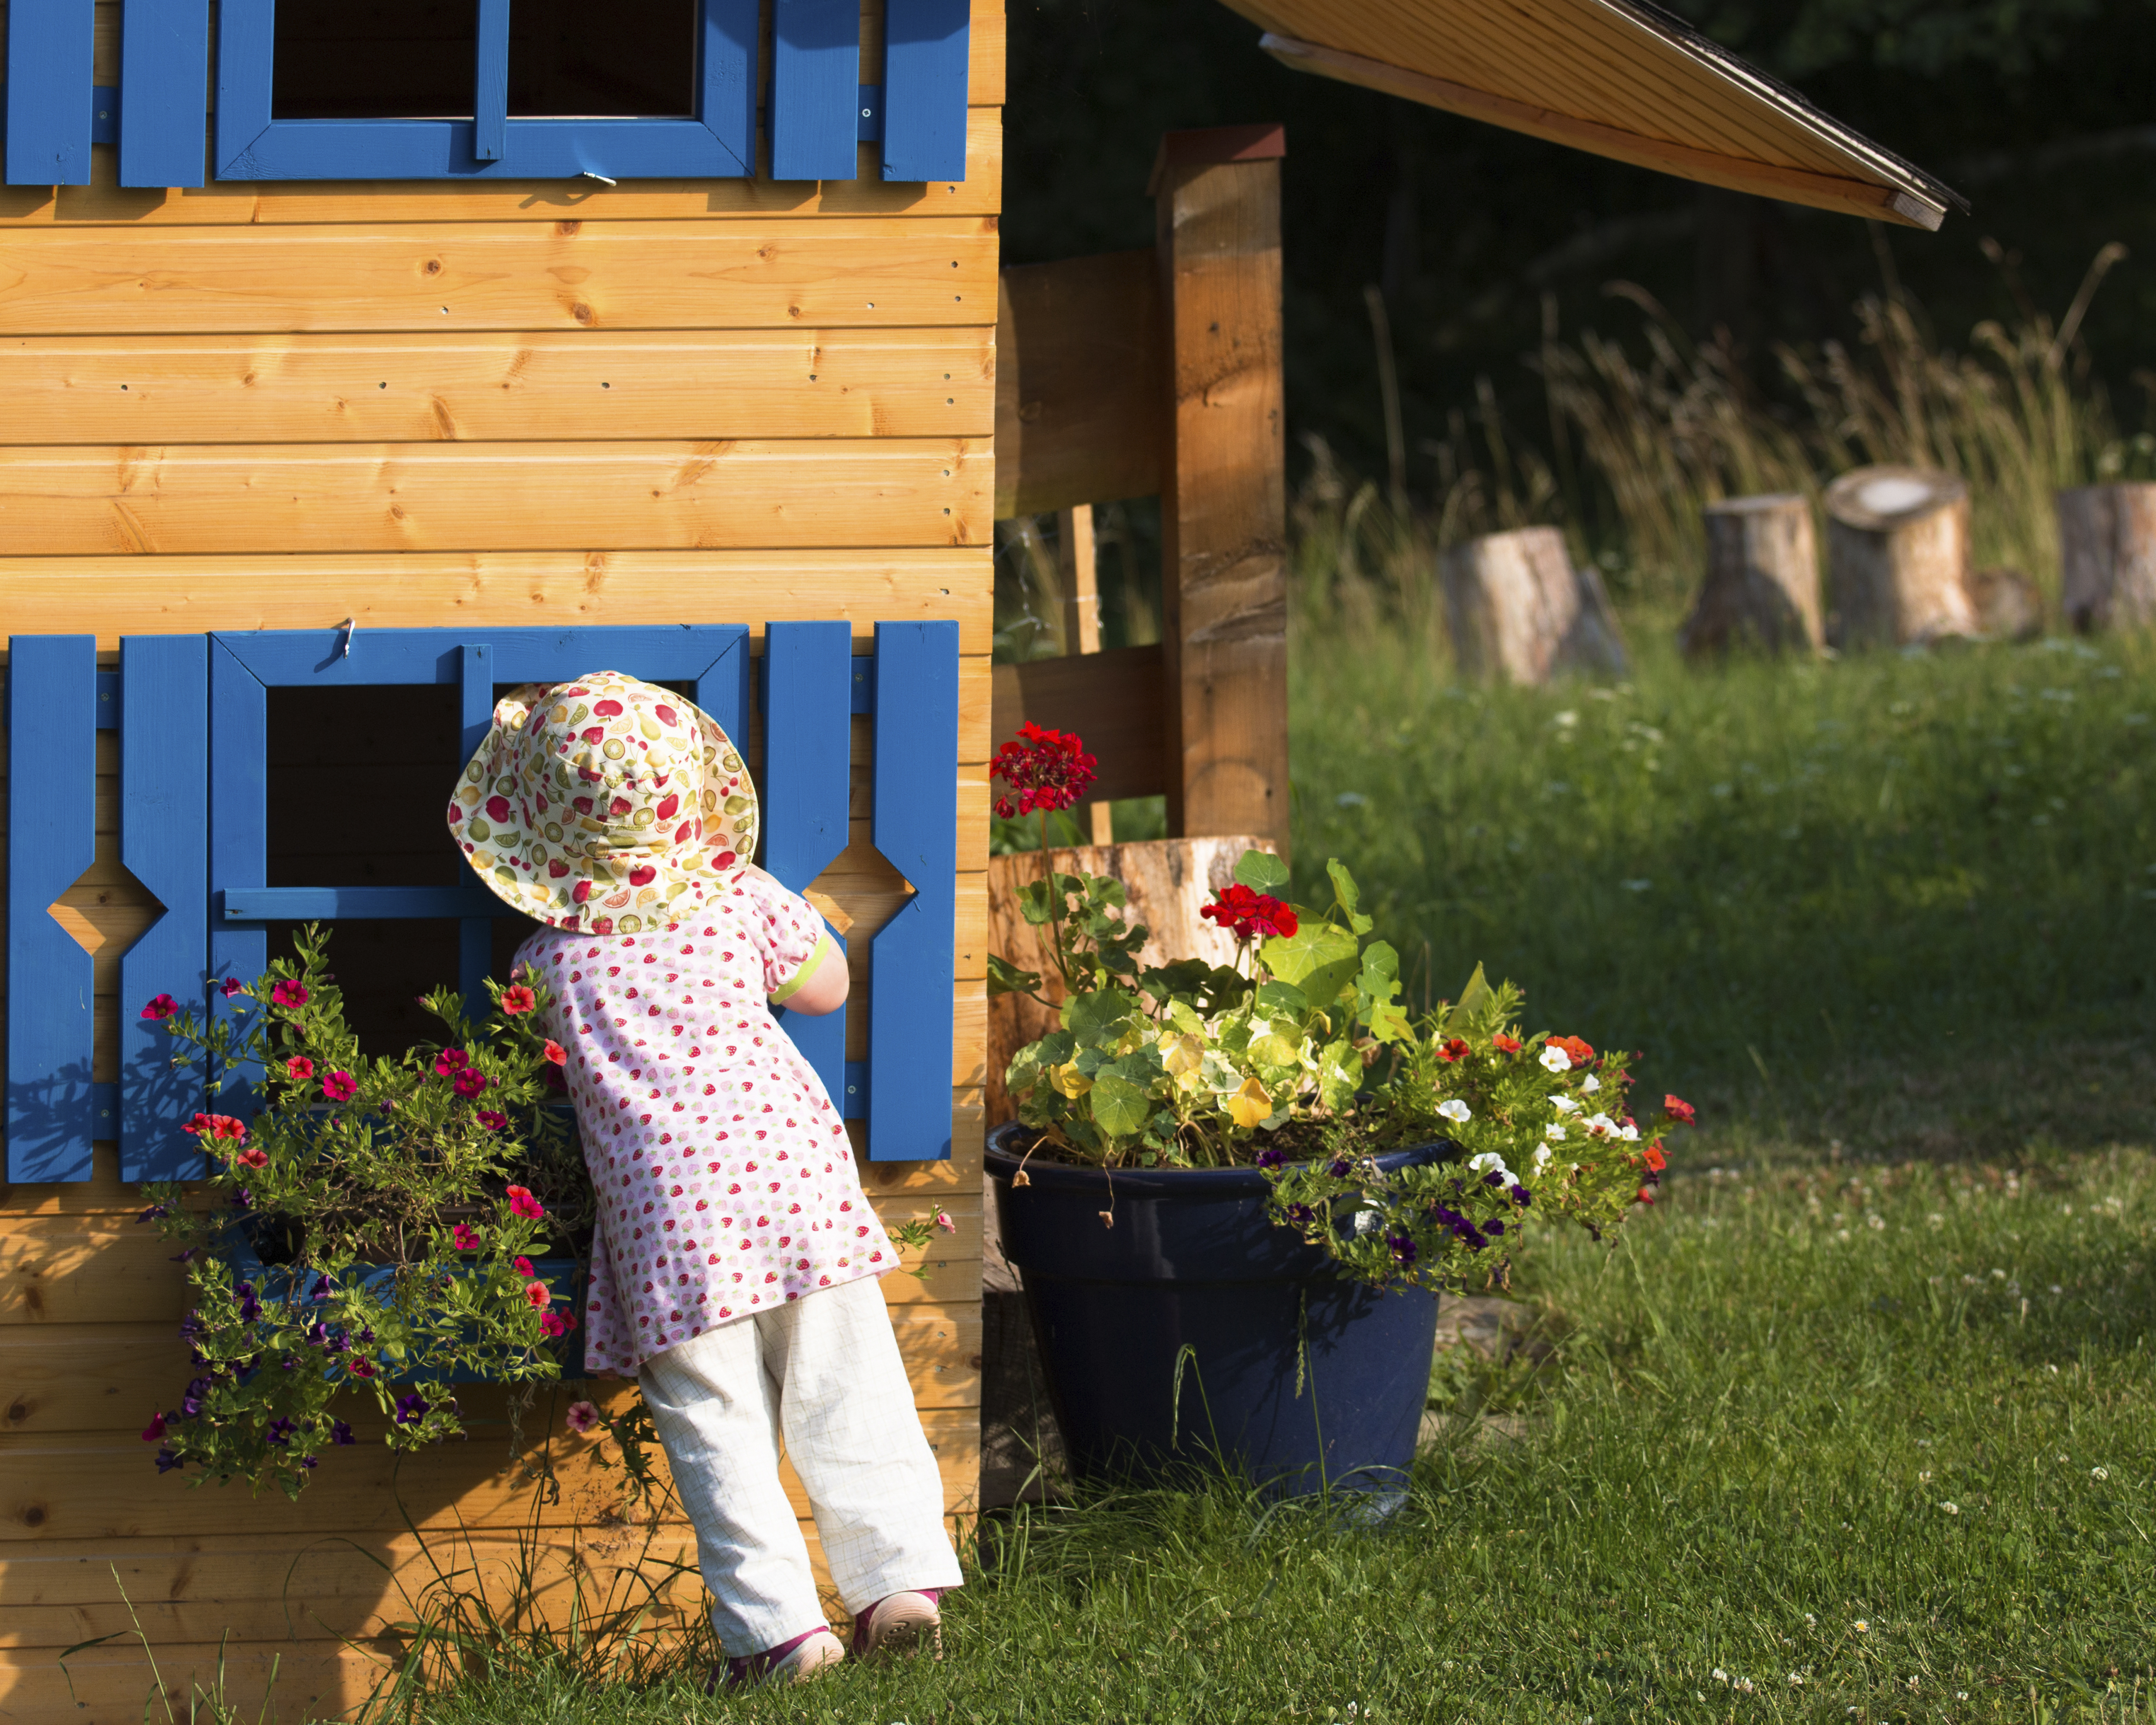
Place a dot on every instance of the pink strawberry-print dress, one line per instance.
(725, 1182)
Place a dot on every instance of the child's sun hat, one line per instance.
(605, 805)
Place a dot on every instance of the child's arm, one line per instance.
(820, 987)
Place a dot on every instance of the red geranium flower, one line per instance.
(339, 1087)
(298, 1068)
(1048, 769)
(1455, 1049)
(557, 1054)
(1678, 1109)
(1252, 916)
(288, 994)
(517, 998)
(1504, 1044)
(163, 1006)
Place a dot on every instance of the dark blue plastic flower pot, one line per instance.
(1195, 1329)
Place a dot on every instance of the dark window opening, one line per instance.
(417, 59)
(636, 58)
(388, 59)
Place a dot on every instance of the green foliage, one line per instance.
(397, 1202)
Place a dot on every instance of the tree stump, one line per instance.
(1762, 583)
(1517, 609)
(1898, 557)
(2107, 556)
(1165, 880)
(2008, 606)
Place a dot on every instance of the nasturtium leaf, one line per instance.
(1282, 1000)
(1089, 1015)
(1119, 1107)
(1261, 871)
(1320, 958)
(1271, 1050)
(1349, 894)
(1005, 977)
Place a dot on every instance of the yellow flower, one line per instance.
(1070, 1080)
(1250, 1105)
(1180, 1055)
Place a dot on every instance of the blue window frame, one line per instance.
(717, 141)
(194, 830)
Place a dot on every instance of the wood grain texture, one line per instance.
(103, 203)
(1898, 557)
(1223, 524)
(146, 595)
(270, 498)
(1082, 359)
(1762, 583)
(474, 388)
(500, 276)
(2107, 556)
(1517, 611)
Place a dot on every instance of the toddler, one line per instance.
(735, 1263)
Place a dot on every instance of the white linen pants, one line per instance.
(823, 1374)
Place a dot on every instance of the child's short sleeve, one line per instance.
(788, 932)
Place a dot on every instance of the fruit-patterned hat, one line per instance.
(604, 805)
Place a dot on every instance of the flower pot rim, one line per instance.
(1183, 1182)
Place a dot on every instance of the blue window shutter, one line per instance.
(51, 46)
(238, 831)
(815, 89)
(490, 92)
(52, 838)
(910, 966)
(927, 48)
(164, 841)
(807, 720)
(164, 75)
(722, 690)
(732, 32)
(475, 711)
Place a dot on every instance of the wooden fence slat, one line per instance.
(52, 839)
(575, 275)
(503, 496)
(164, 845)
(915, 831)
(164, 80)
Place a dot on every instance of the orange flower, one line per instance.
(1581, 1054)
(1504, 1044)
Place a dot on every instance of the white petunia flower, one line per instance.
(1555, 1059)
(1553, 1131)
(1600, 1125)
(1542, 1158)
(1590, 1084)
(1564, 1105)
(1630, 1134)
(1489, 1162)
(1455, 1111)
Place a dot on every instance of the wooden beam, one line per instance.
(1111, 700)
(1075, 561)
(1079, 353)
(1224, 501)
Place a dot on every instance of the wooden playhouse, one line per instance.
(309, 392)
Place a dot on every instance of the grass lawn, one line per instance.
(1860, 1423)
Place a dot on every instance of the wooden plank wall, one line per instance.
(279, 406)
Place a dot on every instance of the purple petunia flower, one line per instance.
(151, 1214)
(1496, 1177)
(281, 1431)
(192, 1404)
(1402, 1247)
(1301, 1215)
(1271, 1157)
(1521, 1195)
(411, 1409)
(340, 1434)
(307, 1461)
(242, 1199)
(250, 1305)
(1338, 1169)
(1493, 1226)
(167, 1461)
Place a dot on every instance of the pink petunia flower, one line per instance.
(583, 1419)
(254, 1156)
(339, 1087)
(494, 1120)
(468, 1082)
(517, 998)
(524, 1268)
(557, 1054)
(288, 994)
(522, 1203)
(466, 1237)
(163, 1006)
(231, 986)
(554, 1325)
(299, 1068)
(156, 1428)
(943, 1221)
(537, 1295)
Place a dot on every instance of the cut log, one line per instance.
(1165, 880)
(2107, 556)
(2008, 606)
(1517, 609)
(1762, 584)
(1898, 557)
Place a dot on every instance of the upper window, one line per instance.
(514, 89)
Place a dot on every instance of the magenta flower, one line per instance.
(524, 1268)
(468, 1082)
(583, 1419)
(466, 1237)
(494, 1120)
(163, 1006)
(537, 1295)
(451, 1060)
(553, 1325)
(522, 1203)
(339, 1087)
(231, 986)
(288, 994)
(156, 1428)
(943, 1221)
(299, 1068)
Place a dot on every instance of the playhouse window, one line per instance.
(635, 60)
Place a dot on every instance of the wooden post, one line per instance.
(1898, 557)
(1762, 582)
(1518, 610)
(2107, 556)
(1224, 501)
(1081, 625)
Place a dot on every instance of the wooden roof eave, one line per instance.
(1880, 188)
